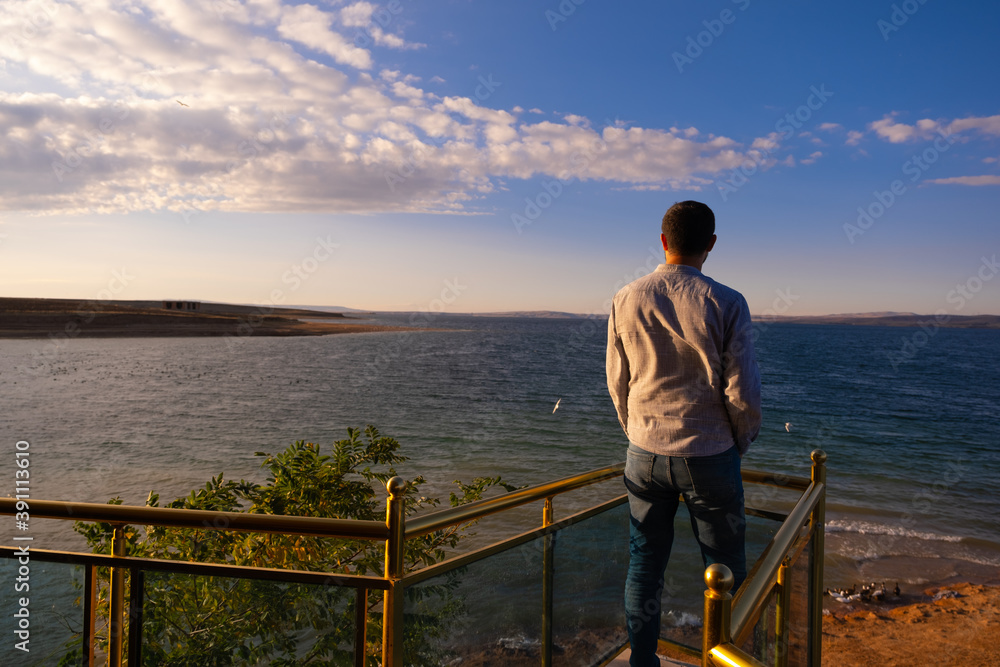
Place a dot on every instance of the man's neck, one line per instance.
(687, 260)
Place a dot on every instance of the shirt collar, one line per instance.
(678, 268)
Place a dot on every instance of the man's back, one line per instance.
(680, 347)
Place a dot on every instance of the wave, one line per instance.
(678, 619)
(870, 528)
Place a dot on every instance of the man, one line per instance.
(684, 379)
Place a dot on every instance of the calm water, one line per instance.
(913, 452)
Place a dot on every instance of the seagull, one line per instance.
(180, 103)
(557, 406)
(788, 426)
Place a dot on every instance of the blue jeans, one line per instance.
(713, 492)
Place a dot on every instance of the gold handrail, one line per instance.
(732, 656)
(205, 519)
(754, 593)
(480, 508)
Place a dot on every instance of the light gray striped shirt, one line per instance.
(681, 366)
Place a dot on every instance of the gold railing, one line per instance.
(727, 621)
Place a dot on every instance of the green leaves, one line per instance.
(191, 620)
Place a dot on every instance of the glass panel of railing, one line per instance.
(201, 620)
(487, 611)
(767, 642)
(39, 623)
(684, 581)
(762, 642)
(798, 617)
(591, 559)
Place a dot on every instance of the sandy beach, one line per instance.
(960, 627)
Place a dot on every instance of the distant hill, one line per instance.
(70, 318)
(332, 309)
(893, 320)
(548, 314)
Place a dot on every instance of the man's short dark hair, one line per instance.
(688, 226)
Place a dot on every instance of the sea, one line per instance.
(907, 416)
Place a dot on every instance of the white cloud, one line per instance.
(283, 113)
(854, 137)
(830, 127)
(967, 180)
(308, 25)
(988, 125)
(812, 158)
(887, 128)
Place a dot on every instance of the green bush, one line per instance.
(206, 621)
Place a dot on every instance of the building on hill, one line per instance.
(182, 305)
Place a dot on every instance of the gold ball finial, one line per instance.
(719, 578)
(818, 456)
(396, 486)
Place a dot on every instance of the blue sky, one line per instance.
(487, 156)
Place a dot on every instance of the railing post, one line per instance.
(89, 615)
(548, 581)
(136, 600)
(392, 606)
(116, 616)
(360, 626)
(782, 612)
(816, 553)
(718, 610)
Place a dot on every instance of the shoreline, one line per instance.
(60, 319)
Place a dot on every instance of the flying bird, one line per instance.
(180, 103)
(557, 406)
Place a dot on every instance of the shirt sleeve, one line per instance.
(741, 378)
(618, 371)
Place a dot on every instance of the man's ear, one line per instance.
(711, 244)
(663, 240)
